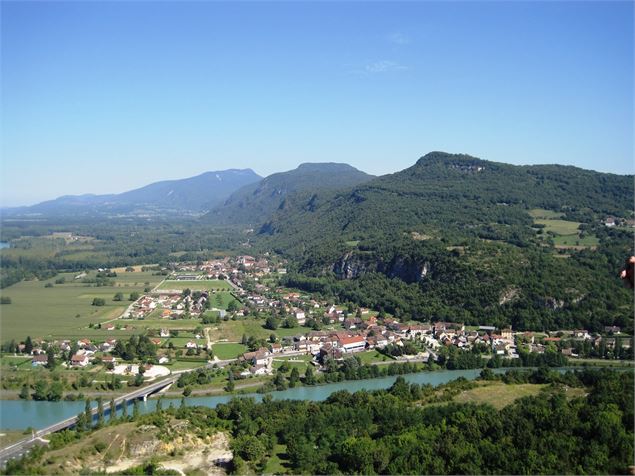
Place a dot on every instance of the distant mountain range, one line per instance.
(193, 195)
(256, 203)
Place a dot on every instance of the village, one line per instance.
(225, 291)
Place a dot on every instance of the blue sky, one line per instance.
(105, 97)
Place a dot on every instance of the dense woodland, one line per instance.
(416, 429)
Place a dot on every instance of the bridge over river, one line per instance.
(23, 446)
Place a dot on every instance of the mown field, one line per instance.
(234, 330)
(66, 310)
(196, 285)
(567, 233)
(228, 350)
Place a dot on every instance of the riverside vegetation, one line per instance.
(407, 429)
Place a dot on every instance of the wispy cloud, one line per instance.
(384, 66)
(398, 39)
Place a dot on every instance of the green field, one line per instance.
(372, 356)
(498, 394)
(300, 361)
(196, 285)
(221, 299)
(234, 330)
(51, 312)
(567, 233)
(228, 350)
(544, 214)
(560, 227)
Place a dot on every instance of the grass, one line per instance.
(560, 227)
(8, 437)
(234, 330)
(183, 365)
(576, 240)
(544, 214)
(221, 299)
(372, 356)
(51, 312)
(498, 394)
(196, 285)
(567, 233)
(228, 350)
(277, 464)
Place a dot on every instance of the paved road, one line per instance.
(23, 447)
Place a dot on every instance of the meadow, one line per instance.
(66, 310)
(195, 285)
(228, 350)
(567, 233)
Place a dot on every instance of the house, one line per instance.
(581, 334)
(165, 333)
(276, 348)
(191, 345)
(259, 357)
(83, 343)
(109, 327)
(164, 360)
(352, 344)
(612, 329)
(79, 360)
(156, 341)
(108, 359)
(507, 334)
(41, 359)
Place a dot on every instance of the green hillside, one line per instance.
(453, 237)
(255, 203)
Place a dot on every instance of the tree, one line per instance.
(279, 381)
(271, 323)
(5, 300)
(40, 390)
(50, 358)
(55, 392)
(233, 306)
(28, 345)
(294, 377)
(124, 410)
(88, 415)
(24, 393)
(230, 382)
(133, 296)
(100, 412)
(159, 407)
(113, 410)
(118, 297)
(309, 378)
(135, 409)
(99, 302)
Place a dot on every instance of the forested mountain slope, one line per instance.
(256, 203)
(458, 238)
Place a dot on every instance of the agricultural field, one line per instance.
(498, 394)
(567, 233)
(300, 361)
(372, 356)
(195, 285)
(228, 350)
(66, 310)
(221, 299)
(234, 330)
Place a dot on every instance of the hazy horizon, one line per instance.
(108, 97)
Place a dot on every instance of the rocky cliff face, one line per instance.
(353, 265)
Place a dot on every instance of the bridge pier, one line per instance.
(145, 398)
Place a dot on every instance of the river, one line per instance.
(4, 244)
(21, 414)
